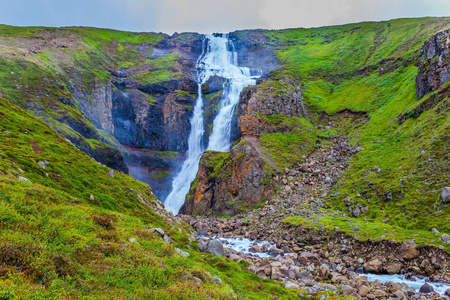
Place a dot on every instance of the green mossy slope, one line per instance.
(59, 242)
(370, 68)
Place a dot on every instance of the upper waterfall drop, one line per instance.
(219, 59)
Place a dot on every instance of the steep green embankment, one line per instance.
(371, 68)
(76, 231)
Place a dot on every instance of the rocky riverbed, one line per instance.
(316, 260)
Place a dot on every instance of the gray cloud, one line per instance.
(211, 15)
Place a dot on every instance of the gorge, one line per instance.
(313, 154)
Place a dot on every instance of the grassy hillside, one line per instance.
(371, 68)
(74, 231)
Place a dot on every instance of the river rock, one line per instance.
(348, 291)
(399, 295)
(373, 266)
(306, 258)
(363, 291)
(445, 195)
(408, 250)
(202, 232)
(324, 271)
(215, 247)
(447, 293)
(394, 268)
(393, 287)
(426, 288)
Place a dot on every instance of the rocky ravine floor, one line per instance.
(317, 260)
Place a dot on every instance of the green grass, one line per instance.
(59, 242)
(367, 230)
(342, 70)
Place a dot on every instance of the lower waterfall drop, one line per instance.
(220, 59)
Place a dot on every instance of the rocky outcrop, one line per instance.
(188, 41)
(251, 53)
(229, 183)
(434, 64)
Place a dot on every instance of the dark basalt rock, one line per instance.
(434, 64)
(213, 84)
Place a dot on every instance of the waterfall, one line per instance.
(219, 58)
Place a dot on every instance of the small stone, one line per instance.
(215, 247)
(291, 285)
(217, 280)
(348, 290)
(445, 238)
(41, 164)
(358, 149)
(388, 196)
(133, 240)
(379, 293)
(23, 179)
(399, 295)
(202, 232)
(363, 291)
(445, 195)
(356, 213)
(91, 197)
(426, 288)
(167, 239)
(158, 231)
(111, 173)
(181, 252)
(324, 271)
(5, 131)
(434, 230)
(393, 287)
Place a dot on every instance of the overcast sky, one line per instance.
(208, 16)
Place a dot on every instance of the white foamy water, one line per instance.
(243, 245)
(416, 283)
(219, 59)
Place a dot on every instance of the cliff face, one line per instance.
(434, 63)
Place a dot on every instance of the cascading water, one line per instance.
(219, 59)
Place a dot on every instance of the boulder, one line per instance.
(202, 232)
(348, 291)
(217, 280)
(399, 295)
(445, 238)
(158, 231)
(291, 285)
(373, 266)
(181, 252)
(324, 271)
(426, 288)
(356, 213)
(408, 250)
(445, 195)
(215, 247)
(447, 293)
(363, 291)
(394, 268)
(306, 258)
(393, 287)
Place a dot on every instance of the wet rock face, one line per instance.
(250, 52)
(434, 65)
